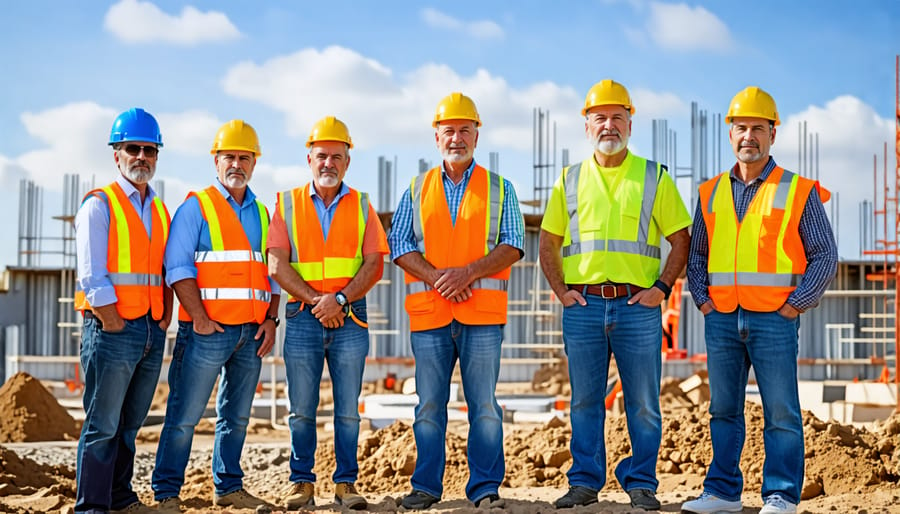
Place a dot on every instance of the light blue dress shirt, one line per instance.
(326, 214)
(190, 233)
(92, 241)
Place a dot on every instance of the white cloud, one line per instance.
(189, 132)
(678, 27)
(479, 29)
(850, 133)
(651, 105)
(134, 21)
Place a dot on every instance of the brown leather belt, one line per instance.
(607, 291)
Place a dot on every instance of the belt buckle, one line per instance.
(608, 296)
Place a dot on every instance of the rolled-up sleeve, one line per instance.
(91, 247)
(512, 224)
(401, 239)
(184, 238)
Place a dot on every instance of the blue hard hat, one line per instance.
(135, 124)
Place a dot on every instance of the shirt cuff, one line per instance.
(101, 296)
(180, 273)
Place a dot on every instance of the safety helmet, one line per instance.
(236, 135)
(607, 92)
(456, 106)
(329, 128)
(753, 102)
(135, 124)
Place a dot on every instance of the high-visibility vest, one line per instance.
(607, 238)
(446, 245)
(757, 262)
(326, 264)
(133, 260)
(232, 277)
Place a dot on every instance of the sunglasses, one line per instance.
(135, 150)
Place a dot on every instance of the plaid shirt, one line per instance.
(512, 226)
(815, 233)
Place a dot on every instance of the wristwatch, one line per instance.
(274, 319)
(341, 300)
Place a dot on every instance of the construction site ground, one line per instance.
(848, 469)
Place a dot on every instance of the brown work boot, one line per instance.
(299, 495)
(241, 499)
(170, 505)
(134, 508)
(345, 494)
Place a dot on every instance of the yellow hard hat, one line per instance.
(607, 92)
(236, 135)
(456, 106)
(753, 102)
(329, 128)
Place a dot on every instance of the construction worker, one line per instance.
(226, 320)
(762, 253)
(120, 234)
(326, 250)
(456, 234)
(600, 251)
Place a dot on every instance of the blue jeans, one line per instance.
(307, 345)
(198, 360)
(633, 333)
(121, 371)
(478, 349)
(768, 342)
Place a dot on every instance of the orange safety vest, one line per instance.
(445, 245)
(326, 264)
(232, 277)
(757, 262)
(133, 260)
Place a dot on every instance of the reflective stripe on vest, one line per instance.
(231, 276)
(640, 247)
(756, 262)
(326, 264)
(445, 244)
(133, 260)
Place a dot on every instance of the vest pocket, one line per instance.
(420, 303)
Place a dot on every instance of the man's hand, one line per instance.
(571, 297)
(267, 331)
(454, 283)
(329, 313)
(788, 311)
(650, 297)
(110, 321)
(205, 326)
(707, 307)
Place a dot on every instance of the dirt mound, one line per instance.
(26, 486)
(28, 412)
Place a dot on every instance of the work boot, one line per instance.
(418, 500)
(345, 494)
(577, 496)
(643, 499)
(133, 508)
(241, 499)
(171, 505)
(490, 501)
(299, 495)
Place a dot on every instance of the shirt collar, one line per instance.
(249, 197)
(129, 189)
(767, 170)
(341, 192)
(466, 174)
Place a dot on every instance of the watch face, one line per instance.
(340, 298)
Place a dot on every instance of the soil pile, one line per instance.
(28, 412)
(26, 486)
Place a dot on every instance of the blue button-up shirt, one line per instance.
(190, 233)
(92, 241)
(326, 214)
(402, 239)
(815, 234)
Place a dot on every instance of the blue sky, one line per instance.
(382, 67)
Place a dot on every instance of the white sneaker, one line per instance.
(775, 504)
(706, 503)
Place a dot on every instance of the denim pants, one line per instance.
(478, 349)
(197, 362)
(633, 334)
(307, 345)
(121, 371)
(768, 342)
